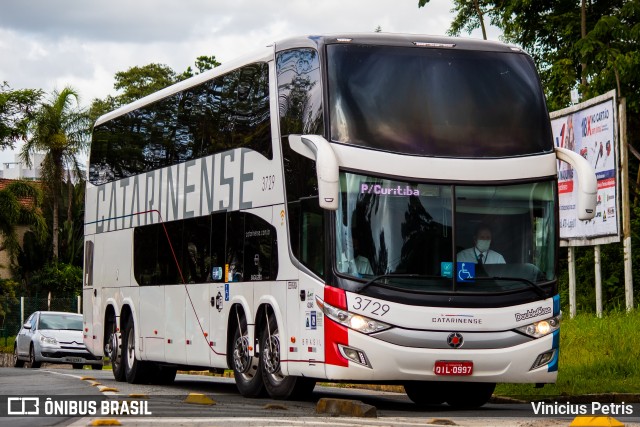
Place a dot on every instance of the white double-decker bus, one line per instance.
(307, 213)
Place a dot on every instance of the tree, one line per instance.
(17, 108)
(60, 130)
(20, 203)
(62, 279)
(470, 16)
(72, 230)
(202, 64)
(138, 82)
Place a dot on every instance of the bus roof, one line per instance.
(265, 53)
(389, 39)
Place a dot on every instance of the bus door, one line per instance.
(307, 323)
(89, 294)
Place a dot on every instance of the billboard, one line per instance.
(589, 129)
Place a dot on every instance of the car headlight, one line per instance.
(353, 321)
(541, 328)
(47, 340)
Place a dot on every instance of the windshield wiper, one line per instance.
(396, 276)
(535, 287)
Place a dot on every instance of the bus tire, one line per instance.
(278, 385)
(470, 395)
(113, 348)
(136, 371)
(425, 393)
(246, 367)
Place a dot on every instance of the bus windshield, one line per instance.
(436, 102)
(405, 235)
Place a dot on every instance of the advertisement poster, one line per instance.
(590, 130)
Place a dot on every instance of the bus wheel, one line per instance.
(113, 350)
(470, 395)
(246, 368)
(135, 371)
(278, 385)
(426, 392)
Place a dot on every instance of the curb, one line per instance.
(345, 407)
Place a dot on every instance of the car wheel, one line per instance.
(278, 385)
(246, 368)
(17, 363)
(32, 359)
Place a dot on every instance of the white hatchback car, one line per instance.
(53, 337)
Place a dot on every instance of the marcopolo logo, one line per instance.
(540, 311)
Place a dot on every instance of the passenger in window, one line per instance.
(235, 270)
(193, 261)
(481, 253)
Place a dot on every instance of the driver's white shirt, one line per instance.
(471, 255)
(359, 265)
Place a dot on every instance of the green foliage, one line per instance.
(138, 82)
(14, 212)
(60, 130)
(62, 280)
(470, 15)
(597, 355)
(8, 298)
(17, 108)
(202, 64)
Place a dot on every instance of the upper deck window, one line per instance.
(436, 102)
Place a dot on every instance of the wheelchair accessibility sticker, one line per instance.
(465, 272)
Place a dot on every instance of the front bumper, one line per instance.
(390, 362)
(60, 355)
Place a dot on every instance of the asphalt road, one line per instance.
(167, 404)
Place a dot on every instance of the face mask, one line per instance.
(483, 245)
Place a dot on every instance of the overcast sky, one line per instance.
(50, 44)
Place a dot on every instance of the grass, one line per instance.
(597, 355)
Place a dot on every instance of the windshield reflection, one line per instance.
(400, 234)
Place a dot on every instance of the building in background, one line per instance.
(19, 170)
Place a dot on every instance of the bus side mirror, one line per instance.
(587, 182)
(319, 149)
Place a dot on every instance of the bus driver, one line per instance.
(480, 252)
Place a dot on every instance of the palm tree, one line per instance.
(60, 130)
(20, 205)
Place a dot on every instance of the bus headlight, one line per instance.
(353, 321)
(541, 328)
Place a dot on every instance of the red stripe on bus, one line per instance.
(334, 333)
